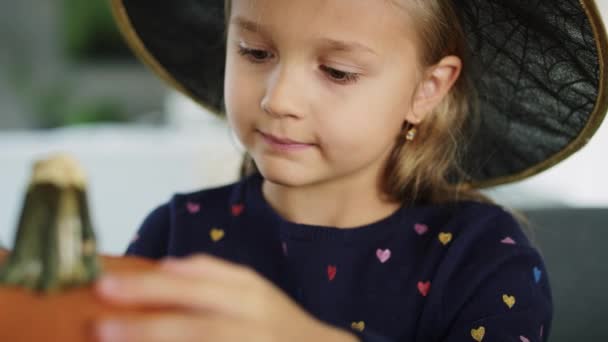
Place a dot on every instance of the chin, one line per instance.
(286, 176)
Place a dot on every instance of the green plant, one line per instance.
(90, 32)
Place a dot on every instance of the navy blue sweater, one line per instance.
(463, 271)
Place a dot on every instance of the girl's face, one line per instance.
(318, 90)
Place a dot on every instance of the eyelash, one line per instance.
(347, 77)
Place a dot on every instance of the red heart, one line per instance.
(237, 209)
(331, 272)
(424, 287)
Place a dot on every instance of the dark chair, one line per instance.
(574, 244)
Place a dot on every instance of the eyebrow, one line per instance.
(248, 25)
(332, 44)
(345, 46)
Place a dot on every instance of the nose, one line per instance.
(280, 99)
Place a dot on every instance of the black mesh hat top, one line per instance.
(539, 73)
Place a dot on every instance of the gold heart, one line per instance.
(216, 234)
(478, 333)
(509, 300)
(445, 238)
(358, 325)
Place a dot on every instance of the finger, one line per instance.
(162, 289)
(164, 328)
(159, 289)
(205, 265)
(250, 287)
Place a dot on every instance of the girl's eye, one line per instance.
(339, 76)
(260, 56)
(254, 55)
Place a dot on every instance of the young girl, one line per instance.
(357, 217)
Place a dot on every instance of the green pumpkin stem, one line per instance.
(55, 245)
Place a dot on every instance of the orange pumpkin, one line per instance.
(46, 282)
(27, 316)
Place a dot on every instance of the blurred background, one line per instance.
(69, 84)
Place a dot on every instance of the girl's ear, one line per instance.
(438, 81)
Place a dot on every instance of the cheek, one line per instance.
(368, 127)
(365, 141)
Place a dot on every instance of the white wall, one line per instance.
(131, 170)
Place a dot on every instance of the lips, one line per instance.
(282, 143)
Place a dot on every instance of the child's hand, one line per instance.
(221, 301)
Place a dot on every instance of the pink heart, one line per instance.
(421, 228)
(523, 339)
(193, 208)
(508, 241)
(383, 255)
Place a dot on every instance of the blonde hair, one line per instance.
(418, 171)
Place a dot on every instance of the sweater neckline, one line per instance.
(298, 231)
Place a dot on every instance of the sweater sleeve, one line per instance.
(492, 286)
(151, 238)
(496, 287)
(511, 304)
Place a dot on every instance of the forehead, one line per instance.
(379, 24)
